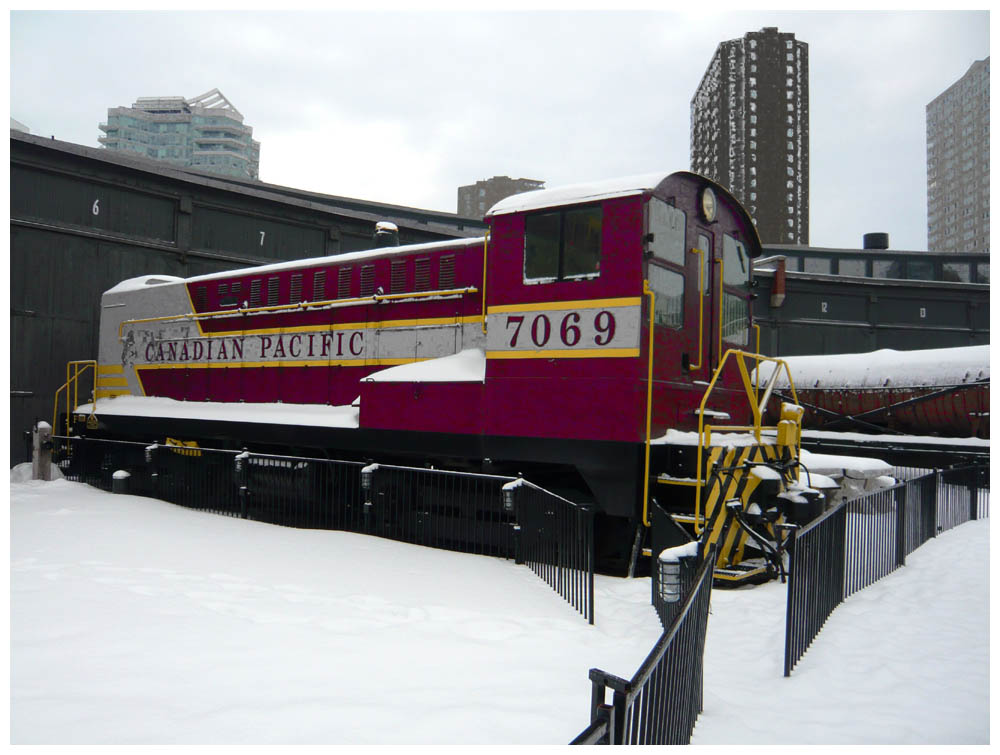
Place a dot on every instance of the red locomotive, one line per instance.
(583, 327)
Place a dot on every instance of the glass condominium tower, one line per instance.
(205, 132)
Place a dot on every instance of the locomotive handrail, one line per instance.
(486, 243)
(757, 406)
(326, 304)
(80, 368)
(722, 298)
(701, 304)
(649, 401)
(756, 373)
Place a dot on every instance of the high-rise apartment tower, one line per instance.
(205, 132)
(958, 164)
(750, 130)
(474, 200)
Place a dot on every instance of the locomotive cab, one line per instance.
(609, 307)
(573, 275)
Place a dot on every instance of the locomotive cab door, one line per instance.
(683, 279)
(725, 302)
(703, 251)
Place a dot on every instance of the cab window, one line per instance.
(668, 287)
(735, 319)
(735, 262)
(562, 245)
(666, 226)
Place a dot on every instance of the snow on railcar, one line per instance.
(922, 392)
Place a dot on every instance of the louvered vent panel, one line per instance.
(255, 292)
(272, 291)
(422, 274)
(344, 283)
(446, 272)
(319, 285)
(201, 299)
(367, 280)
(296, 292)
(398, 283)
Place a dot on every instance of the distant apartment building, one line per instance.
(958, 164)
(750, 130)
(205, 132)
(475, 200)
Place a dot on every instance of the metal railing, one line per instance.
(471, 513)
(815, 581)
(858, 542)
(660, 704)
(441, 509)
(555, 538)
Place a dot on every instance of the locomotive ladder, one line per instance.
(74, 373)
(728, 473)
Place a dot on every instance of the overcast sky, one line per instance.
(406, 107)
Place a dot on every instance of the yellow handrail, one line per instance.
(79, 368)
(299, 305)
(486, 243)
(757, 405)
(756, 372)
(722, 299)
(701, 304)
(649, 401)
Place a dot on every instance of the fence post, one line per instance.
(901, 525)
(973, 493)
(790, 601)
(241, 479)
(41, 457)
(590, 566)
(937, 496)
(154, 476)
(616, 728)
(509, 495)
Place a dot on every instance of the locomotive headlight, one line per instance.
(708, 205)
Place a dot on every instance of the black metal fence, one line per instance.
(555, 537)
(471, 513)
(815, 580)
(661, 702)
(858, 542)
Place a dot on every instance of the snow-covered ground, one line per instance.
(136, 621)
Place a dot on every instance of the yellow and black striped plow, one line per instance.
(731, 489)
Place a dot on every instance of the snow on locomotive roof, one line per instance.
(890, 368)
(339, 259)
(584, 192)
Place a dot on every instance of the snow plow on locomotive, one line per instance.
(572, 345)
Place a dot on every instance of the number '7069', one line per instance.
(541, 331)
